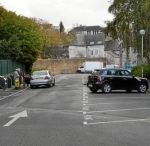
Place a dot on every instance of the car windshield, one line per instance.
(39, 73)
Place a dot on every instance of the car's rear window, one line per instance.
(103, 72)
(40, 73)
(100, 72)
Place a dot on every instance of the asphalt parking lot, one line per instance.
(115, 107)
(12, 90)
(72, 112)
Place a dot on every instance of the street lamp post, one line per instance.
(142, 32)
(120, 53)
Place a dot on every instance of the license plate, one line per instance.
(38, 78)
(90, 85)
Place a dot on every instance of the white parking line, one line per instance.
(100, 104)
(85, 97)
(85, 108)
(88, 117)
(84, 81)
(119, 110)
(60, 78)
(123, 121)
(85, 101)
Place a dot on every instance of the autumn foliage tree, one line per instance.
(26, 39)
(50, 37)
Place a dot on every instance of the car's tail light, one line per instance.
(88, 77)
(46, 78)
(31, 78)
(98, 78)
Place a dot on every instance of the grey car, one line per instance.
(42, 77)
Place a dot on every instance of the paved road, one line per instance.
(69, 114)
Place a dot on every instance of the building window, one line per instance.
(91, 43)
(91, 52)
(96, 52)
(99, 42)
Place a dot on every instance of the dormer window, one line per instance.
(91, 43)
(99, 42)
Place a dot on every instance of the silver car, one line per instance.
(42, 77)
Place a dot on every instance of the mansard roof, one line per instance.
(88, 28)
(112, 45)
(88, 40)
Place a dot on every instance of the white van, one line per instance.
(89, 66)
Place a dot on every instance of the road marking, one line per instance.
(16, 117)
(123, 121)
(85, 108)
(88, 117)
(13, 94)
(85, 89)
(100, 103)
(85, 101)
(85, 123)
(85, 96)
(84, 81)
(60, 78)
(119, 110)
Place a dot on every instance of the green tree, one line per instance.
(129, 17)
(20, 37)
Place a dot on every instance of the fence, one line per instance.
(8, 66)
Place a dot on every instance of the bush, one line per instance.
(137, 71)
(39, 68)
(146, 71)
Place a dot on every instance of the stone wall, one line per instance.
(58, 66)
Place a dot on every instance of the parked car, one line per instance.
(42, 77)
(109, 79)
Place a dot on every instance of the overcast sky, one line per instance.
(70, 12)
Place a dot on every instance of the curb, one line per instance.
(13, 88)
(17, 91)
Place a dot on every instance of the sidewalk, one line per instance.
(23, 86)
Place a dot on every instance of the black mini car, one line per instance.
(116, 79)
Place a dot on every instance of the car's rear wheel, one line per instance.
(106, 88)
(94, 90)
(142, 88)
(54, 83)
(129, 91)
(31, 86)
(50, 85)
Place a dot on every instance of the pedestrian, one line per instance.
(20, 76)
(16, 78)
